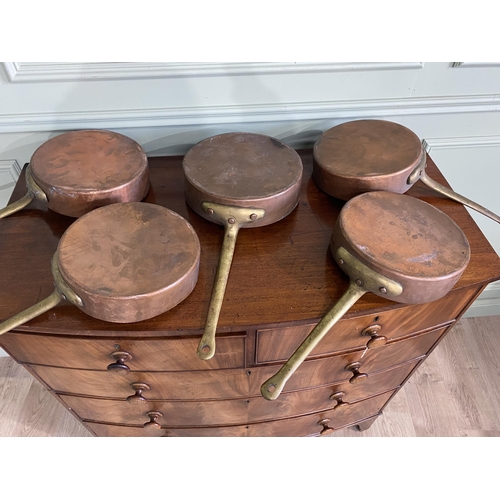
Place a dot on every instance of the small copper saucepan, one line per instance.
(238, 180)
(375, 155)
(78, 171)
(394, 246)
(122, 263)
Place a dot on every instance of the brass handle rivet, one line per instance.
(382, 289)
(359, 282)
(210, 211)
(205, 348)
(341, 262)
(231, 220)
(253, 217)
(271, 388)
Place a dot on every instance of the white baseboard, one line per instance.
(487, 304)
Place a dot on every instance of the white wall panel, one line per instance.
(463, 79)
(260, 86)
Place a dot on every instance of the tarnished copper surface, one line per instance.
(366, 155)
(130, 261)
(406, 240)
(86, 169)
(244, 170)
(392, 245)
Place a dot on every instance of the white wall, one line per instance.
(168, 107)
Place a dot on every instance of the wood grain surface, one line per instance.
(288, 262)
(454, 393)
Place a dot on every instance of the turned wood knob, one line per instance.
(326, 430)
(119, 365)
(337, 396)
(357, 376)
(153, 417)
(138, 398)
(376, 339)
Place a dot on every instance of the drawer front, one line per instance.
(165, 354)
(237, 411)
(216, 384)
(316, 371)
(113, 430)
(212, 384)
(227, 384)
(300, 426)
(279, 344)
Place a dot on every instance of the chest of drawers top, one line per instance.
(282, 274)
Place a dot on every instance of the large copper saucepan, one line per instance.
(394, 246)
(78, 171)
(375, 155)
(122, 263)
(238, 180)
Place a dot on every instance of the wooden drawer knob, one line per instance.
(138, 398)
(337, 396)
(376, 339)
(326, 430)
(119, 365)
(357, 376)
(153, 417)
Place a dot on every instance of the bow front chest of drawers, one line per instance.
(145, 379)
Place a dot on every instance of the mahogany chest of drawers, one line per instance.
(145, 379)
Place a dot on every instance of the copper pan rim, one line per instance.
(82, 190)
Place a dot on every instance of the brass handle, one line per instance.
(272, 387)
(61, 291)
(337, 396)
(326, 430)
(34, 191)
(137, 397)
(232, 218)
(363, 279)
(119, 365)
(357, 375)
(376, 339)
(153, 417)
(420, 172)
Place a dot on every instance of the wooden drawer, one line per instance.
(226, 384)
(217, 384)
(152, 354)
(299, 426)
(315, 372)
(278, 344)
(235, 411)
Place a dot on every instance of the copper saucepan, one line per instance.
(78, 171)
(238, 180)
(393, 245)
(122, 263)
(371, 155)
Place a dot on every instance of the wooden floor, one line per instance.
(456, 392)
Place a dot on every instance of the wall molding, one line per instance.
(216, 115)
(30, 72)
(12, 167)
(461, 142)
(475, 64)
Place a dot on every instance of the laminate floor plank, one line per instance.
(455, 392)
(27, 409)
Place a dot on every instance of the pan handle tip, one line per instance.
(206, 347)
(272, 387)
